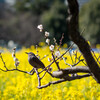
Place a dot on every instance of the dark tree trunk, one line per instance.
(73, 27)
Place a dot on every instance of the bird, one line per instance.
(34, 61)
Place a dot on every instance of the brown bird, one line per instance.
(34, 61)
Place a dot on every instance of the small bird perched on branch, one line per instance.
(34, 61)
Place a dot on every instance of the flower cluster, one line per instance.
(14, 56)
(47, 34)
(47, 37)
(55, 52)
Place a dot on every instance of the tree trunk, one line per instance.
(73, 27)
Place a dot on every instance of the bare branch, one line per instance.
(3, 70)
(60, 43)
(70, 70)
(77, 62)
(3, 61)
(66, 62)
(44, 57)
(17, 70)
(73, 64)
(63, 80)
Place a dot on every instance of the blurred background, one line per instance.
(19, 20)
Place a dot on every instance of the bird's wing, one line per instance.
(38, 62)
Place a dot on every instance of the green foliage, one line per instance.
(36, 6)
(39, 6)
(54, 20)
(90, 19)
(22, 5)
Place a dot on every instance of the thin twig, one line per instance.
(75, 56)
(44, 57)
(60, 43)
(66, 63)
(55, 62)
(77, 62)
(3, 70)
(73, 64)
(3, 62)
(17, 70)
(55, 42)
(39, 79)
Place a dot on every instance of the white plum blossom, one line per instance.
(51, 47)
(14, 57)
(40, 27)
(47, 41)
(47, 34)
(57, 53)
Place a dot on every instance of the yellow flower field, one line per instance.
(16, 85)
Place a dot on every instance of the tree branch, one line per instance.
(18, 70)
(63, 80)
(70, 70)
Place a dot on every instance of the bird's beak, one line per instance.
(26, 52)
